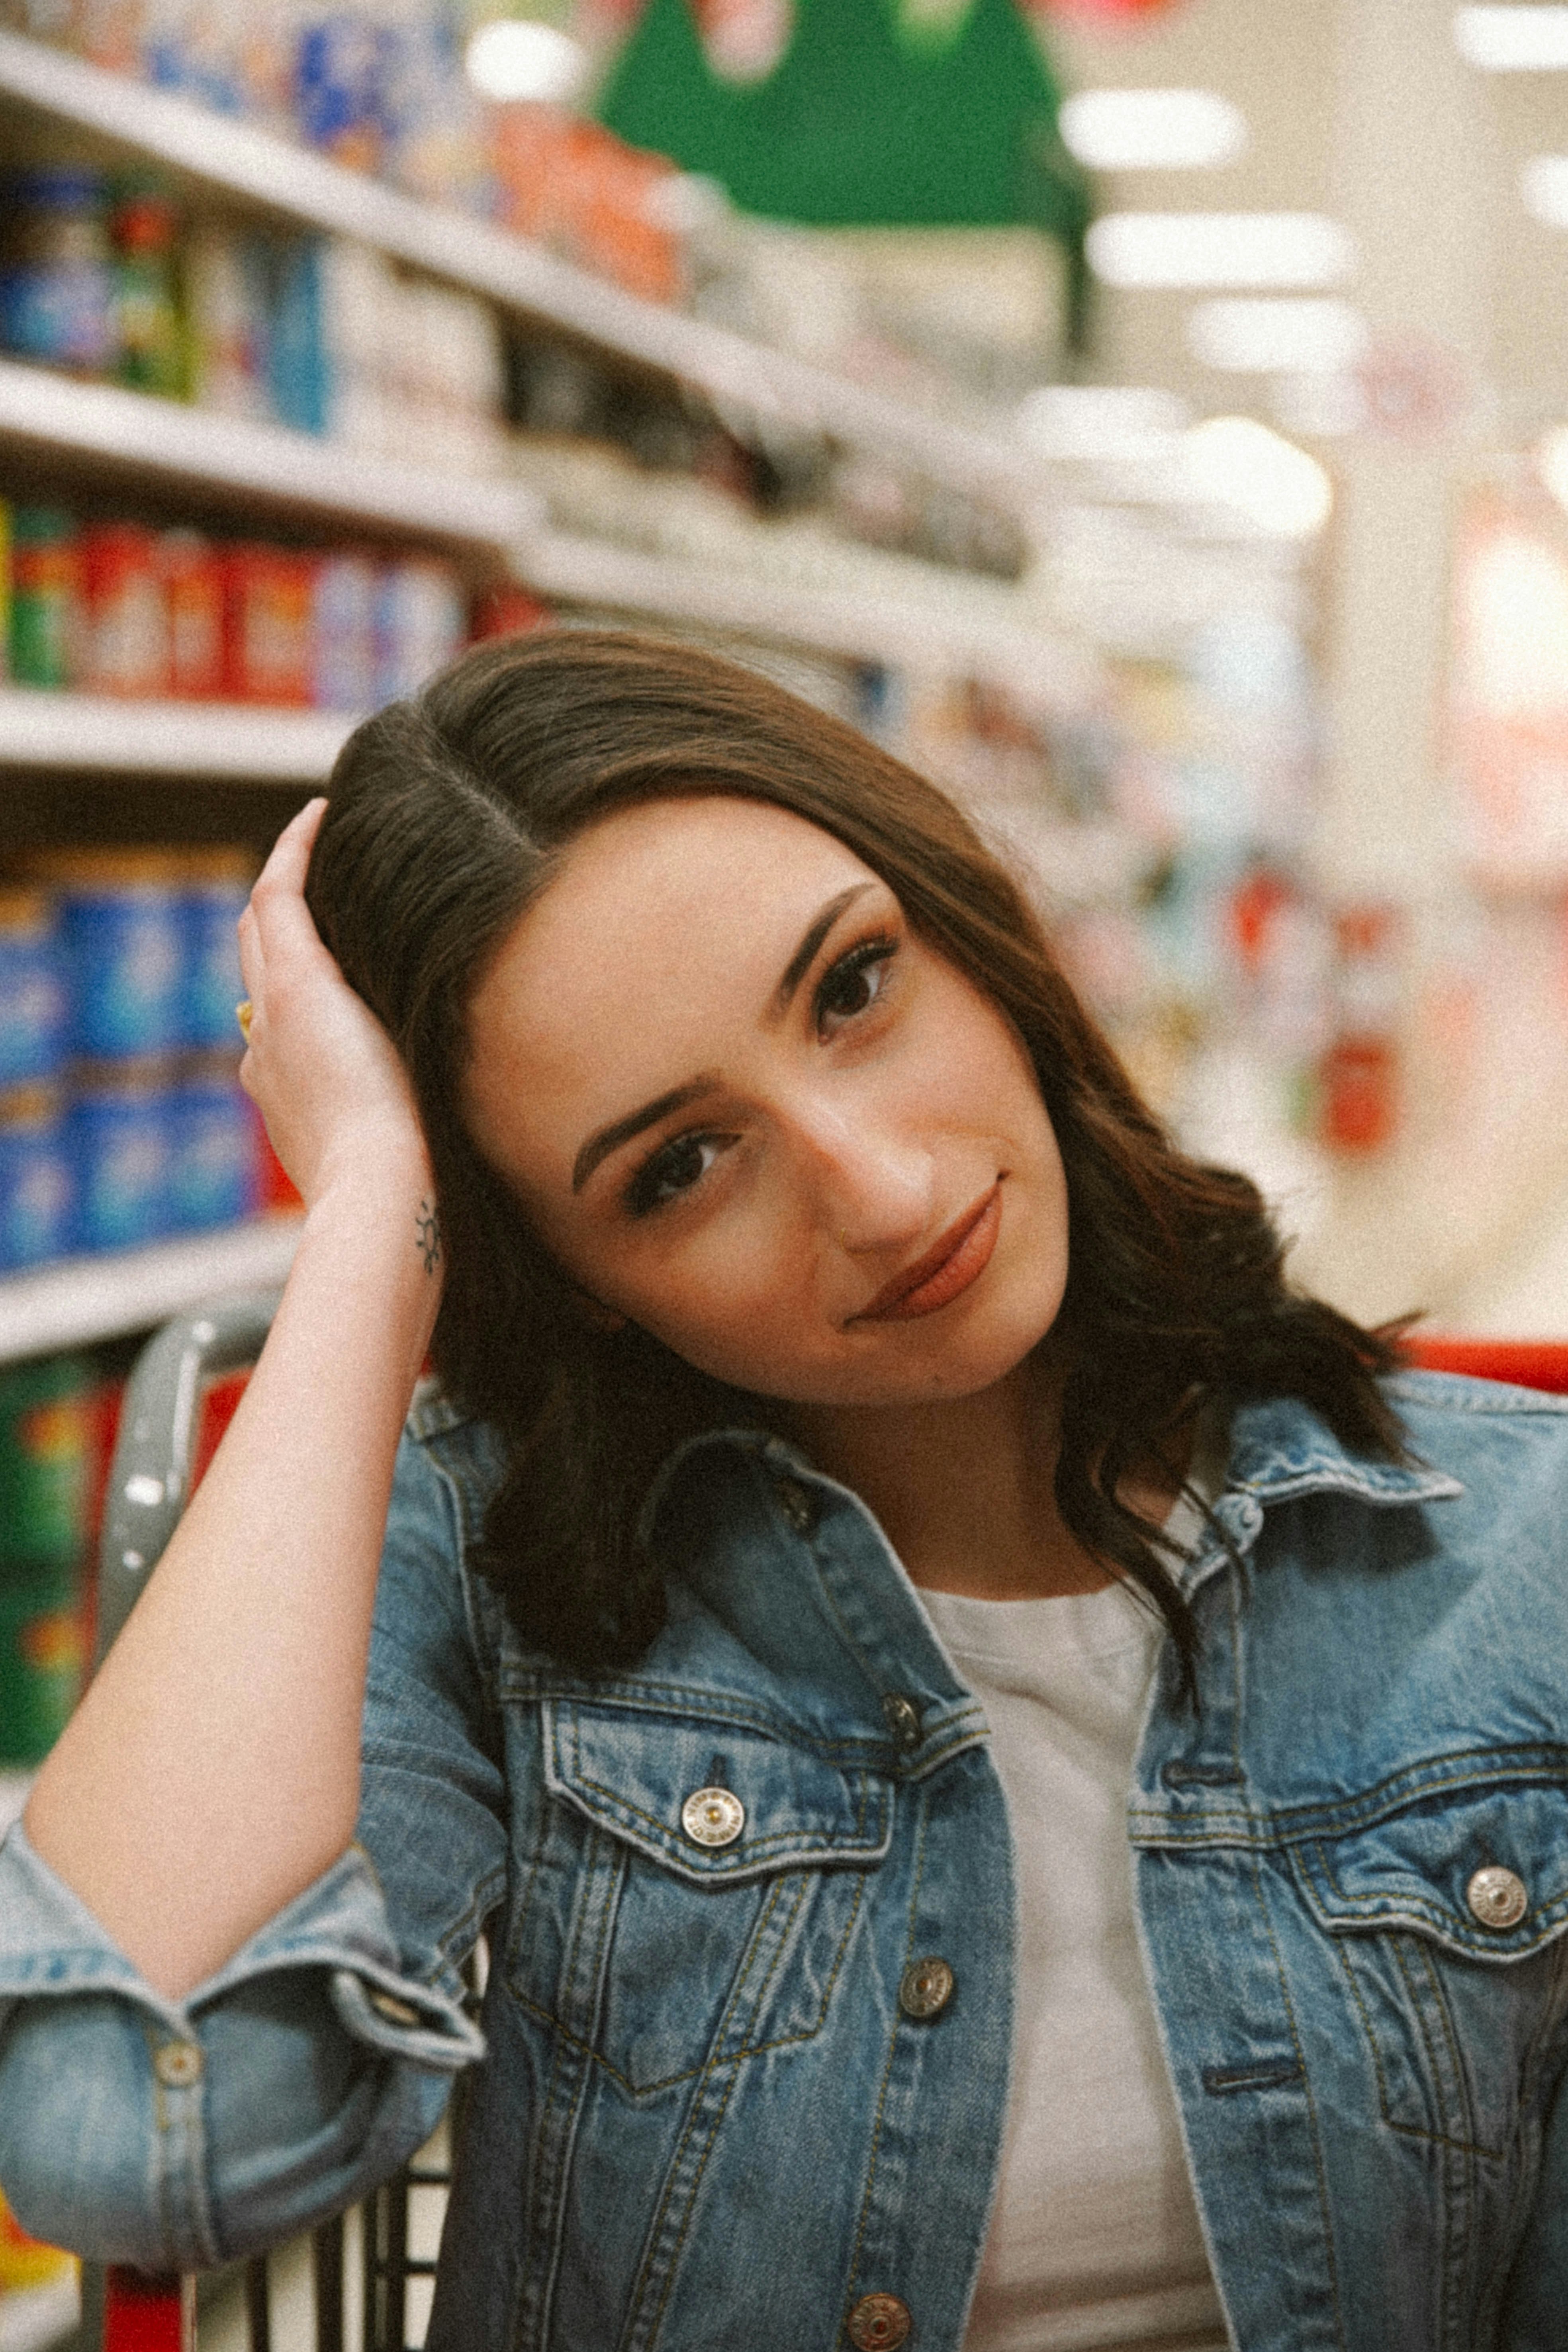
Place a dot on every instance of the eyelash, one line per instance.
(642, 1196)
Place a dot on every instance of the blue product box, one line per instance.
(33, 995)
(211, 900)
(211, 1151)
(36, 1191)
(123, 944)
(120, 1146)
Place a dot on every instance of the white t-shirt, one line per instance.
(1095, 2238)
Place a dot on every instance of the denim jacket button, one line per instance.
(798, 1502)
(177, 2063)
(1498, 1897)
(396, 2012)
(926, 1987)
(902, 1717)
(879, 2323)
(713, 1816)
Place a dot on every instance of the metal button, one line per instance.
(926, 1987)
(177, 2063)
(396, 2012)
(1498, 1897)
(902, 1717)
(879, 2323)
(713, 1816)
(799, 1504)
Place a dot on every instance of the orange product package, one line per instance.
(125, 631)
(268, 595)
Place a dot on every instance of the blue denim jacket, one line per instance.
(702, 2116)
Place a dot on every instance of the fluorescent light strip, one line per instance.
(1304, 333)
(1149, 130)
(1240, 249)
(1514, 40)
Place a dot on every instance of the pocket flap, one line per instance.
(1420, 1867)
(633, 1772)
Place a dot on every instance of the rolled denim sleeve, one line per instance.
(174, 2135)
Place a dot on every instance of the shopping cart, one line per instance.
(157, 1459)
(164, 1438)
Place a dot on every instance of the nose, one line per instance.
(875, 1190)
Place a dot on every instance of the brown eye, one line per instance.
(854, 983)
(681, 1163)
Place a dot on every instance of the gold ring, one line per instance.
(242, 1014)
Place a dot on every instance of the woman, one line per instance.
(863, 1446)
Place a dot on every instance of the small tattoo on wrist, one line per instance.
(427, 1234)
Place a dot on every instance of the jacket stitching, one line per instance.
(1375, 1908)
(829, 1841)
(749, 2049)
(1304, 1823)
(1410, 2131)
(887, 2076)
(647, 1698)
(1312, 2104)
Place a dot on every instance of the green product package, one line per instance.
(42, 1659)
(46, 1463)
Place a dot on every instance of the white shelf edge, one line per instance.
(956, 625)
(84, 1299)
(269, 171)
(293, 470)
(52, 732)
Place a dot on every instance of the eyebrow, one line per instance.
(610, 1138)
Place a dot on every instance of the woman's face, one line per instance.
(744, 1105)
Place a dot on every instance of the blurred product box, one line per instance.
(214, 886)
(268, 595)
(343, 622)
(124, 634)
(38, 1192)
(45, 598)
(123, 947)
(192, 576)
(121, 1151)
(149, 332)
(34, 1007)
(57, 276)
(48, 1458)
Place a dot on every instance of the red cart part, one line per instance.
(1525, 1363)
(148, 2314)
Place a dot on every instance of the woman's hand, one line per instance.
(320, 1069)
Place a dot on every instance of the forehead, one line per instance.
(651, 956)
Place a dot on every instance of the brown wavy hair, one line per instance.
(447, 817)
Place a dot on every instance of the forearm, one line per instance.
(212, 1770)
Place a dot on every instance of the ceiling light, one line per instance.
(1544, 185)
(1288, 335)
(1234, 461)
(1144, 130)
(1100, 421)
(1514, 40)
(1220, 250)
(516, 59)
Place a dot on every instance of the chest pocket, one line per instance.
(1448, 1915)
(668, 1935)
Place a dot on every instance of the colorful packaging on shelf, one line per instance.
(43, 1659)
(37, 1190)
(338, 86)
(298, 373)
(192, 576)
(214, 886)
(33, 987)
(228, 322)
(149, 352)
(56, 286)
(45, 1461)
(45, 590)
(343, 628)
(507, 612)
(118, 1130)
(419, 625)
(27, 2261)
(213, 1174)
(4, 589)
(121, 926)
(125, 613)
(269, 594)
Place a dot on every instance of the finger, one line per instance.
(278, 901)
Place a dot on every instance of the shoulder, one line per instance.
(1501, 1443)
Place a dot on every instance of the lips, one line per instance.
(955, 1260)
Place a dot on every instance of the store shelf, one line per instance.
(264, 169)
(94, 734)
(291, 473)
(941, 620)
(85, 1299)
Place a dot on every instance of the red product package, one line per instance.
(125, 634)
(193, 589)
(268, 639)
(507, 612)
